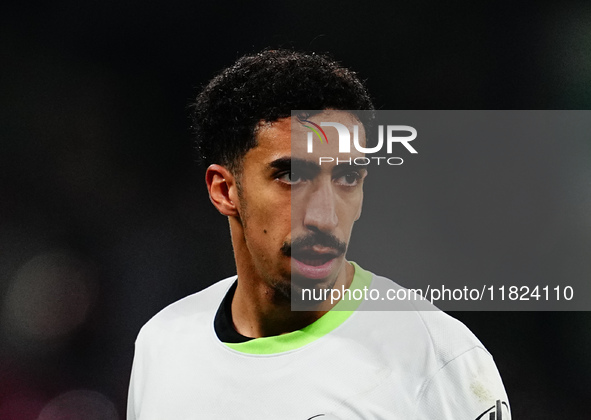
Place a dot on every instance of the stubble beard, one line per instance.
(281, 289)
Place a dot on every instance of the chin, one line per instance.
(282, 291)
(316, 286)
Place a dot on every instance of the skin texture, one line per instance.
(280, 200)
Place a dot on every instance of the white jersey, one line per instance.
(347, 365)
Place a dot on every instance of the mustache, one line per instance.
(315, 238)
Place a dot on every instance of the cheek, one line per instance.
(264, 224)
(274, 233)
(268, 214)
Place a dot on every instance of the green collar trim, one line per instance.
(322, 326)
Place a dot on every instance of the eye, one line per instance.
(290, 177)
(349, 179)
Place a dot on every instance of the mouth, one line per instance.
(314, 263)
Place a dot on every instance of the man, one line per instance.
(237, 350)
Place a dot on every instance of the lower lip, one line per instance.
(314, 271)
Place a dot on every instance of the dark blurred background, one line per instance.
(104, 218)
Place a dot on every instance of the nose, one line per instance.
(320, 208)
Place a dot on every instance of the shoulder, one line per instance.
(457, 376)
(439, 334)
(414, 332)
(187, 312)
(448, 336)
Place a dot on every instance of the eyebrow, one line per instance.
(286, 163)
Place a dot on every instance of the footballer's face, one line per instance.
(297, 214)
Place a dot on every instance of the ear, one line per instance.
(222, 188)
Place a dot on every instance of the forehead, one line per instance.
(290, 135)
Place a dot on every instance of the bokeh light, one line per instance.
(79, 405)
(49, 296)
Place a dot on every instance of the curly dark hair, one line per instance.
(265, 87)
